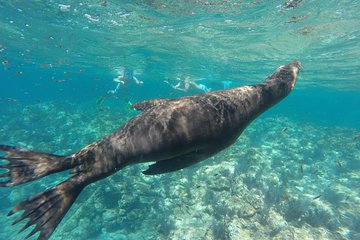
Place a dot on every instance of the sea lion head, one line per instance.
(287, 75)
(280, 83)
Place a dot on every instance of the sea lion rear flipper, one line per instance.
(46, 209)
(25, 165)
(147, 104)
(173, 164)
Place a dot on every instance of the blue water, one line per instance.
(58, 65)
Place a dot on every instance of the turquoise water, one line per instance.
(59, 59)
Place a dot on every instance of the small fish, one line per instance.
(28, 60)
(285, 129)
(5, 63)
(291, 4)
(318, 196)
(338, 163)
(11, 99)
(302, 168)
(316, 171)
(304, 31)
(100, 100)
(347, 198)
(19, 73)
(104, 3)
(64, 7)
(296, 19)
(45, 65)
(59, 81)
(198, 186)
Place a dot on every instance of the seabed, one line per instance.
(283, 179)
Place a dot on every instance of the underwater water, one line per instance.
(294, 173)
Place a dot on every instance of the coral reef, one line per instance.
(282, 179)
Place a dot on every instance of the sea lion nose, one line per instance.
(296, 65)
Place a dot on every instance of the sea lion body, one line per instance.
(201, 125)
(187, 130)
(174, 133)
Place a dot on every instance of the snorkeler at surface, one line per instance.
(125, 77)
(186, 84)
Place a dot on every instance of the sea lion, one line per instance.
(175, 133)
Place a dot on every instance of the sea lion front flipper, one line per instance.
(147, 104)
(174, 164)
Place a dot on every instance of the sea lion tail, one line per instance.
(25, 165)
(46, 209)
